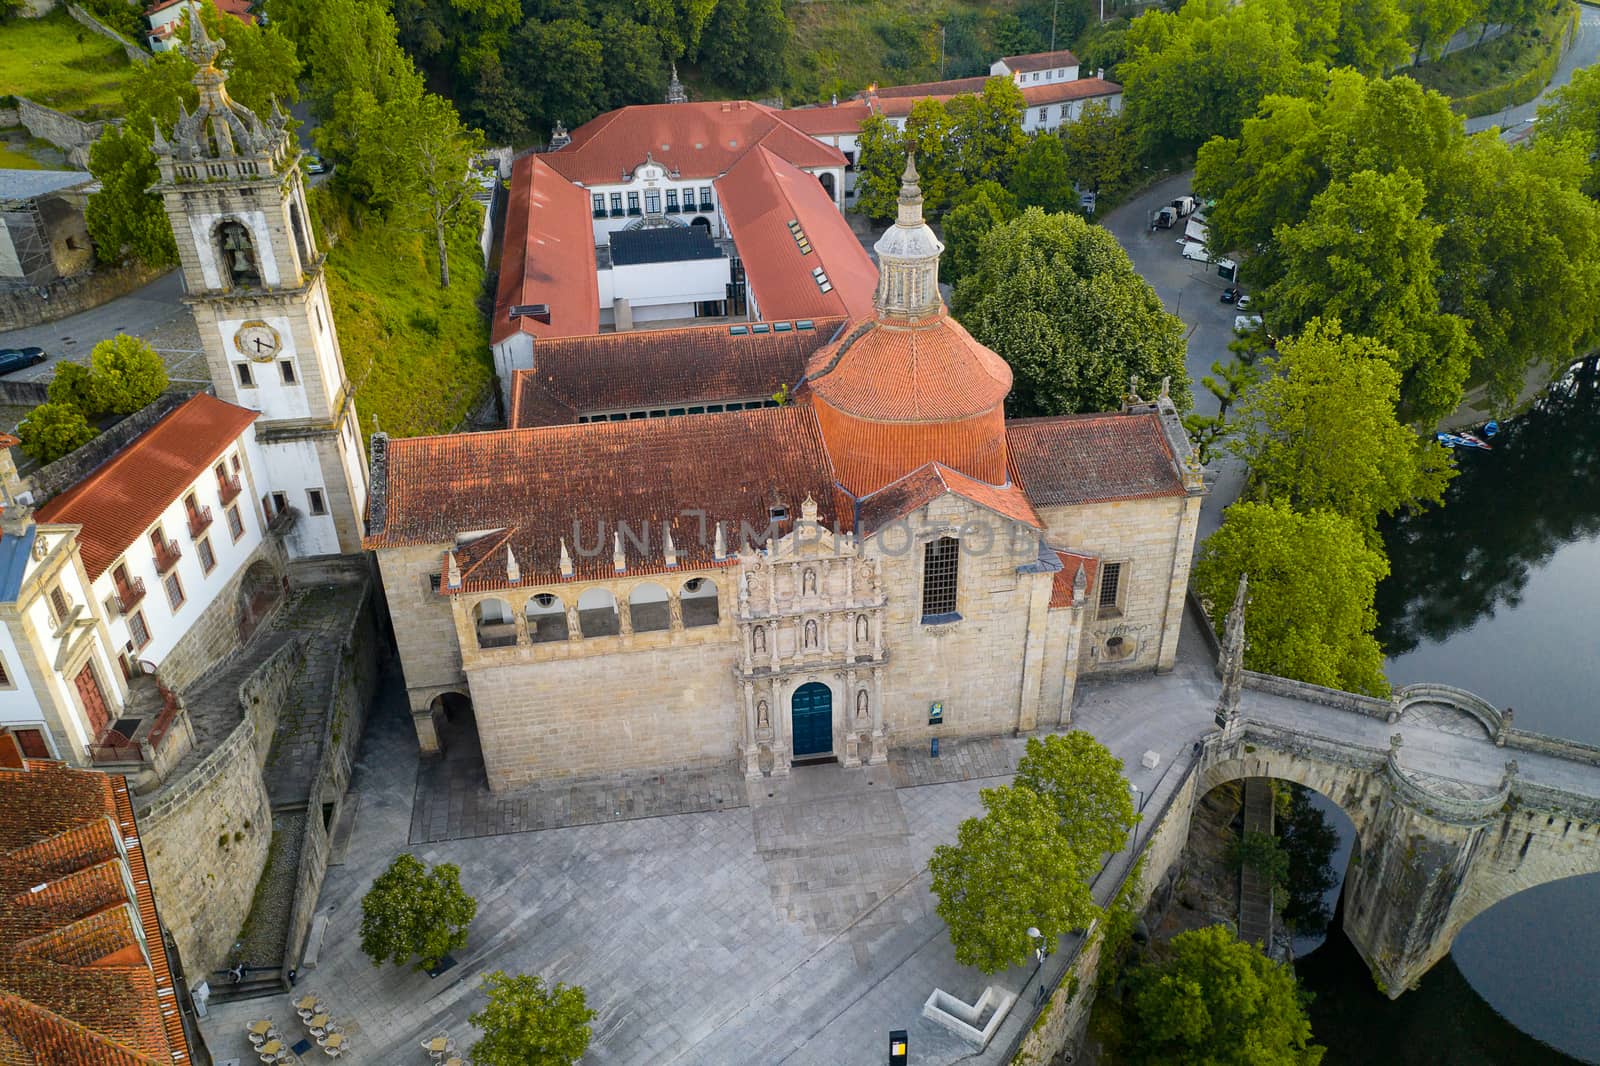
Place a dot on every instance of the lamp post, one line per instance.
(1038, 957)
(1139, 807)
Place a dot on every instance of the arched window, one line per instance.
(236, 254)
(699, 600)
(547, 618)
(940, 568)
(494, 622)
(597, 613)
(647, 604)
(827, 183)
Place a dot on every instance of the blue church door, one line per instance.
(813, 720)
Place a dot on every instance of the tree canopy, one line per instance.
(1010, 870)
(1318, 429)
(1313, 576)
(1101, 149)
(977, 211)
(125, 374)
(1059, 300)
(1572, 113)
(526, 1023)
(1214, 1001)
(412, 910)
(1084, 783)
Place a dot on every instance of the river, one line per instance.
(1497, 592)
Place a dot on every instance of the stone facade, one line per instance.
(217, 631)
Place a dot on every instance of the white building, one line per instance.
(165, 16)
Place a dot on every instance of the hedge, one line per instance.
(1525, 88)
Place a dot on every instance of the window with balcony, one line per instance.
(652, 203)
(599, 201)
(199, 516)
(174, 587)
(228, 485)
(705, 198)
(166, 551)
(128, 590)
(138, 631)
(616, 205)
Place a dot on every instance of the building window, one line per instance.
(940, 566)
(60, 609)
(138, 630)
(286, 368)
(599, 201)
(235, 523)
(705, 198)
(235, 462)
(318, 505)
(633, 203)
(246, 379)
(208, 558)
(319, 325)
(174, 591)
(1110, 589)
(616, 204)
(672, 201)
(652, 203)
(1044, 114)
(280, 502)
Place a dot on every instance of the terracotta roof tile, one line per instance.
(1040, 61)
(659, 368)
(896, 101)
(839, 118)
(928, 483)
(578, 483)
(1091, 458)
(760, 196)
(910, 371)
(702, 139)
(548, 255)
(1061, 584)
(75, 987)
(122, 498)
(917, 90)
(1059, 92)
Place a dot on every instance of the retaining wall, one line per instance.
(76, 465)
(71, 135)
(133, 51)
(68, 296)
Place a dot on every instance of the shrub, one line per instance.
(73, 386)
(126, 374)
(51, 430)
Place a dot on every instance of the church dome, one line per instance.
(909, 385)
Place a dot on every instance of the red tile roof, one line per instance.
(239, 9)
(896, 101)
(839, 118)
(547, 256)
(1092, 458)
(119, 502)
(1060, 92)
(570, 482)
(75, 987)
(917, 90)
(1061, 584)
(1039, 61)
(918, 371)
(928, 483)
(699, 140)
(659, 368)
(760, 196)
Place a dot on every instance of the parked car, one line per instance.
(1243, 302)
(20, 358)
(315, 165)
(1230, 294)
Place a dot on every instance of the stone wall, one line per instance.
(23, 393)
(68, 296)
(216, 631)
(133, 51)
(71, 135)
(204, 885)
(424, 631)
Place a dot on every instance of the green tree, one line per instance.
(881, 161)
(1214, 1001)
(1372, 36)
(1262, 853)
(125, 375)
(572, 91)
(985, 133)
(930, 134)
(744, 44)
(124, 217)
(1325, 385)
(981, 208)
(1364, 255)
(631, 68)
(1010, 870)
(52, 430)
(1572, 113)
(1312, 581)
(1084, 783)
(1040, 177)
(1059, 300)
(1434, 22)
(73, 385)
(1101, 149)
(412, 910)
(526, 1023)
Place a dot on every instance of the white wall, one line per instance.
(200, 589)
(62, 692)
(269, 395)
(291, 467)
(203, 226)
(688, 281)
(19, 705)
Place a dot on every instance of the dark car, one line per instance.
(20, 358)
(1230, 294)
(315, 165)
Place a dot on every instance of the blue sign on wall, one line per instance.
(936, 713)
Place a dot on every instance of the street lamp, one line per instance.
(1038, 956)
(1138, 806)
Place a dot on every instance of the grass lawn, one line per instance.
(58, 63)
(417, 355)
(10, 159)
(1497, 62)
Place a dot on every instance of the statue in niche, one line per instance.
(761, 715)
(811, 633)
(808, 582)
(862, 703)
(758, 640)
(863, 629)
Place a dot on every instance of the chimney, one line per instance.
(1100, 72)
(559, 137)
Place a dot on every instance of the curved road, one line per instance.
(1584, 52)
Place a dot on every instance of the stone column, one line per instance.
(782, 742)
(675, 612)
(880, 734)
(752, 747)
(427, 732)
(852, 728)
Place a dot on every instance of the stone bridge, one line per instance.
(1455, 809)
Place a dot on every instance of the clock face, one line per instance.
(259, 341)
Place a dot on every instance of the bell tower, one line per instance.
(253, 275)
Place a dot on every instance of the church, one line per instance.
(804, 540)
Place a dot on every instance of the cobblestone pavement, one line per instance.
(262, 940)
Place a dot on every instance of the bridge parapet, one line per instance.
(1486, 713)
(1557, 801)
(1442, 799)
(1521, 740)
(1370, 706)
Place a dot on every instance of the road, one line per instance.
(1584, 52)
(154, 313)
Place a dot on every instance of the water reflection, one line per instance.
(1507, 512)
